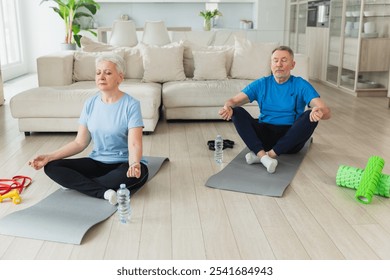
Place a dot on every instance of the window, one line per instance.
(10, 40)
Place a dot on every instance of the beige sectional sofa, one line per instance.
(190, 78)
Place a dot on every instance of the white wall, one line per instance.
(43, 30)
(174, 14)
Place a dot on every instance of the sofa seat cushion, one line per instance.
(48, 102)
(68, 101)
(209, 93)
(149, 94)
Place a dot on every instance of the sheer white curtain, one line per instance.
(10, 40)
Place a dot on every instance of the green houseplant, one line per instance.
(71, 11)
(208, 17)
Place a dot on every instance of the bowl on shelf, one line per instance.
(345, 78)
(348, 79)
(367, 84)
(370, 35)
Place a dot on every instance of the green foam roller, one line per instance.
(370, 179)
(349, 177)
(384, 186)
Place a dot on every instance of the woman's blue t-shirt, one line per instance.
(280, 104)
(109, 125)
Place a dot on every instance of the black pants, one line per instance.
(92, 177)
(283, 139)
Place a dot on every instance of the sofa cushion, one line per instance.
(204, 70)
(163, 63)
(49, 102)
(188, 60)
(225, 37)
(149, 94)
(192, 93)
(251, 60)
(67, 101)
(89, 45)
(134, 63)
(200, 38)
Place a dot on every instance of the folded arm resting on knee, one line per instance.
(226, 112)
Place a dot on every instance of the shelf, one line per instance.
(175, 1)
(376, 16)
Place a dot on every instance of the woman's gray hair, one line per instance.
(114, 58)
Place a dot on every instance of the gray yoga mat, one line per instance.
(65, 215)
(241, 177)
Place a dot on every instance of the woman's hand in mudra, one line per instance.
(134, 170)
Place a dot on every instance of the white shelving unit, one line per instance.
(358, 58)
(297, 25)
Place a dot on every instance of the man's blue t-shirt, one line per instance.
(109, 125)
(280, 104)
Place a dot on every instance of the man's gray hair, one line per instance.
(114, 58)
(284, 48)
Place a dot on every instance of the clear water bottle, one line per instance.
(124, 210)
(218, 149)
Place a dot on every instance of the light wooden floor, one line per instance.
(176, 217)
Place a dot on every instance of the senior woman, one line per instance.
(112, 120)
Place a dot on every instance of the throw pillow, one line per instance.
(210, 65)
(89, 45)
(190, 47)
(134, 63)
(84, 65)
(163, 63)
(251, 60)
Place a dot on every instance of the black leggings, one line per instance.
(283, 139)
(92, 177)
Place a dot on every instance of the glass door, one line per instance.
(293, 27)
(302, 21)
(336, 34)
(351, 48)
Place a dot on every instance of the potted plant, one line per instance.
(71, 11)
(208, 17)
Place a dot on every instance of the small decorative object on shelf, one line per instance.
(208, 17)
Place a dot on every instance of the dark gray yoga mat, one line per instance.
(65, 215)
(241, 177)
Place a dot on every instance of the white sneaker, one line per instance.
(110, 195)
(269, 163)
(251, 158)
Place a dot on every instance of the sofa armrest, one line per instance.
(55, 69)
